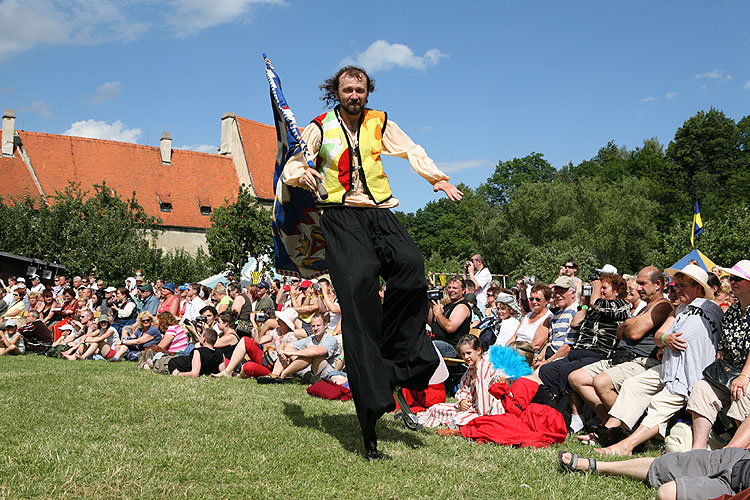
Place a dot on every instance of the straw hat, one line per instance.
(695, 273)
(741, 269)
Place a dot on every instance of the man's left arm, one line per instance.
(397, 143)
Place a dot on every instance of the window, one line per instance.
(205, 210)
(164, 206)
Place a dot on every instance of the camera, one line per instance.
(594, 276)
(467, 264)
(261, 317)
(435, 294)
(586, 289)
(529, 280)
(200, 319)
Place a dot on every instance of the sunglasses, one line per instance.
(736, 279)
(145, 321)
(535, 299)
(566, 266)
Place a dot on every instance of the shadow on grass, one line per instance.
(345, 428)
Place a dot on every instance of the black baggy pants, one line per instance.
(384, 345)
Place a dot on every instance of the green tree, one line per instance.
(510, 174)
(239, 230)
(705, 153)
(448, 229)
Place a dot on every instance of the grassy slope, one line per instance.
(105, 430)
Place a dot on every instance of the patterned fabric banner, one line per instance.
(299, 246)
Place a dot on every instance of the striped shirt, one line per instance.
(180, 340)
(560, 332)
(598, 331)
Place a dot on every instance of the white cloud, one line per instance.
(192, 16)
(117, 131)
(39, 107)
(671, 95)
(27, 23)
(203, 148)
(717, 74)
(647, 99)
(747, 85)
(382, 55)
(458, 166)
(107, 92)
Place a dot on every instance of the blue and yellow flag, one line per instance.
(697, 225)
(299, 246)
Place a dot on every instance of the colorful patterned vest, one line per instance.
(335, 156)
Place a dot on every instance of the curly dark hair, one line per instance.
(331, 86)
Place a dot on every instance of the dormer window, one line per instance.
(164, 206)
(204, 209)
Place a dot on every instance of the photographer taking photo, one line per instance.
(475, 270)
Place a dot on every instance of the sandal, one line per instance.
(572, 466)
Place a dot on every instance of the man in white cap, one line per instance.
(689, 347)
(36, 284)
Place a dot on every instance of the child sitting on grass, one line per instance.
(473, 395)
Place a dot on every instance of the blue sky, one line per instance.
(474, 83)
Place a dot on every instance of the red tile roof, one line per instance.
(15, 177)
(259, 143)
(192, 179)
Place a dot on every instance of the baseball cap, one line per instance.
(110, 289)
(169, 286)
(564, 282)
(146, 288)
(264, 284)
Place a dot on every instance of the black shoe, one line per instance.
(608, 435)
(373, 454)
(409, 418)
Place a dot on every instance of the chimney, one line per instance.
(9, 125)
(165, 146)
(225, 148)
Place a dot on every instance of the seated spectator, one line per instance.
(17, 308)
(528, 417)
(36, 335)
(51, 310)
(194, 303)
(255, 367)
(243, 305)
(596, 332)
(11, 342)
(330, 304)
(305, 302)
(561, 337)
(473, 397)
(476, 314)
(508, 313)
(663, 390)
(598, 384)
(724, 295)
(451, 322)
(148, 301)
(534, 327)
(174, 338)
(228, 338)
(317, 352)
(35, 304)
(633, 298)
(264, 301)
(223, 301)
(170, 301)
(124, 311)
(204, 360)
(94, 342)
(694, 475)
(707, 399)
(80, 327)
(146, 335)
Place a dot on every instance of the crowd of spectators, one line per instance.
(621, 358)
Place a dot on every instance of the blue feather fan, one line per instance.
(508, 361)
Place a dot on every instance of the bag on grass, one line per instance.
(269, 358)
(328, 390)
(56, 350)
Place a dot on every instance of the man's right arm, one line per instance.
(636, 327)
(457, 316)
(294, 172)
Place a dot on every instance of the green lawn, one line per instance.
(106, 430)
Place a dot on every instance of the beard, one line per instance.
(353, 108)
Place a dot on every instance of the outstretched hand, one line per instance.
(449, 189)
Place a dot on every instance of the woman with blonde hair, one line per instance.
(223, 301)
(145, 335)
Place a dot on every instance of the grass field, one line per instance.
(106, 430)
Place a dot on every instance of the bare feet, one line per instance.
(449, 432)
(221, 374)
(614, 450)
(587, 438)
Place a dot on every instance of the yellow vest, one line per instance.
(335, 156)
